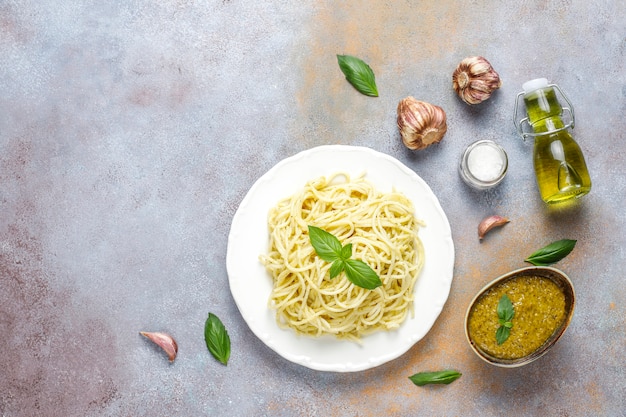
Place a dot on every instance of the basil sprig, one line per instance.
(552, 253)
(440, 377)
(359, 74)
(217, 339)
(505, 316)
(329, 249)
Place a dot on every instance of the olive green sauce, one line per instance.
(539, 306)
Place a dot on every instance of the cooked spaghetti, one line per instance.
(383, 231)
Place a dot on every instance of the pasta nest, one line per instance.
(383, 231)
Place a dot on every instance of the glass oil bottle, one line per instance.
(559, 163)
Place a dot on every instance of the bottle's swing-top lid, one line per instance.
(536, 84)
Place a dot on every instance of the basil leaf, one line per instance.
(361, 275)
(217, 339)
(346, 252)
(505, 313)
(325, 244)
(336, 268)
(505, 309)
(504, 323)
(552, 253)
(441, 377)
(329, 249)
(359, 74)
(502, 334)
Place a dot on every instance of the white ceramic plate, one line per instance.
(251, 284)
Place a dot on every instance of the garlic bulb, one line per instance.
(421, 124)
(474, 80)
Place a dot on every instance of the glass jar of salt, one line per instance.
(484, 164)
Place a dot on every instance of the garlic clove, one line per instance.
(489, 223)
(421, 124)
(474, 80)
(165, 341)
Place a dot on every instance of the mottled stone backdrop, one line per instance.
(130, 131)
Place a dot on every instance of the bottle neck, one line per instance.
(543, 109)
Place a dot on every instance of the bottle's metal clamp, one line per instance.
(519, 124)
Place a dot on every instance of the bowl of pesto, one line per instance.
(519, 316)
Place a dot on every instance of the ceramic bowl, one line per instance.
(562, 281)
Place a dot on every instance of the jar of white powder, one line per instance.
(484, 164)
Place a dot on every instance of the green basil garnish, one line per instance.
(329, 249)
(552, 253)
(359, 74)
(505, 313)
(360, 274)
(217, 339)
(440, 377)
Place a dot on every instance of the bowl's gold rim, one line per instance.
(552, 273)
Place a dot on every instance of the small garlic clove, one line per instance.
(165, 341)
(421, 124)
(489, 223)
(474, 80)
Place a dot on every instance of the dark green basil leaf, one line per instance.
(502, 334)
(552, 253)
(325, 244)
(361, 275)
(505, 313)
(439, 377)
(217, 339)
(505, 308)
(359, 74)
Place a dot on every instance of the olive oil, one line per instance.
(559, 163)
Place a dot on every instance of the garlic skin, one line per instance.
(165, 341)
(421, 124)
(489, 223)
(474, 79)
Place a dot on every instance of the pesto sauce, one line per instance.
(539, 306)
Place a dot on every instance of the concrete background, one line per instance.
(131, 130)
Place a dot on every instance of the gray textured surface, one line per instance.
(131, 130)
